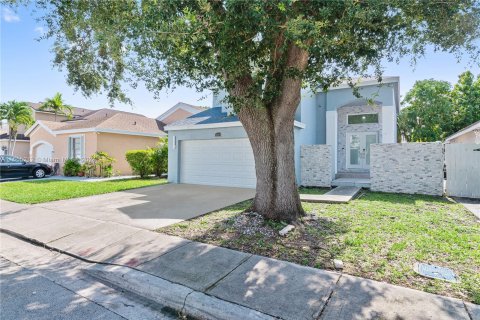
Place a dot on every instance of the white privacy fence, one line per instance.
(463, 170)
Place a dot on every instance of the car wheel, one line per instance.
(39, 173)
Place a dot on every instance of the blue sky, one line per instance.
(27, 74)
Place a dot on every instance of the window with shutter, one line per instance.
(75, 147)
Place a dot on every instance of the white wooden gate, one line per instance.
(463, 169)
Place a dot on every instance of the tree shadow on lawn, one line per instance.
(312, 243)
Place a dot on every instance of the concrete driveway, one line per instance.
(152, 207)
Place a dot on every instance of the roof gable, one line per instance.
(180, 106)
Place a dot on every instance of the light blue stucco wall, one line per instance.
(308, 116)
(321, 125)
(340, 97)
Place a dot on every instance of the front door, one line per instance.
(358, 149)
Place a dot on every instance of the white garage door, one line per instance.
(43, 153)
(219, 162)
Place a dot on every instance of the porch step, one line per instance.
(337, 195)
(353, 175)
(351, 182)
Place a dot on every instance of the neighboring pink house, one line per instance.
(108, 130)
(111, 131)
(22, 146)
(53, 139)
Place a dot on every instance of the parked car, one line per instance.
(13, 167)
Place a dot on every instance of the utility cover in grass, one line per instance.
(435, 272)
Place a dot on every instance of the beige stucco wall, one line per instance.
(177, 115)
(60, 143)
(468, 137)
(116, 145)
(21, 150)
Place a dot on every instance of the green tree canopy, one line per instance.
(16, 114)
(466, 101)
(261, 52)
(434, 111)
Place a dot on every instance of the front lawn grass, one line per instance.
(33, 191)
(378, 236)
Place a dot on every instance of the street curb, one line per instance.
(169, 294)
(178, 297)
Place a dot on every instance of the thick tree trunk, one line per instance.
(270, 129)
(273, 149)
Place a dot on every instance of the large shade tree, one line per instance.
(428, 113)
(261, 52)
(433, 110)
(465, 101)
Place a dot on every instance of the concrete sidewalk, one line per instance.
(217, 283)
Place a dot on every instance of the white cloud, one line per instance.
(9, 16)
(40, 30)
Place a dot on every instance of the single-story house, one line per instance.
(54, 138)
(212, 148)
(22, 146)
(111, 131)
(469, 134)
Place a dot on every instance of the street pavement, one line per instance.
(201, 279)
(36, 283)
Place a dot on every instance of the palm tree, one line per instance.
(16, 114)
(57, 106)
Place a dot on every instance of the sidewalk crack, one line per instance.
(329, 297)
(228, 273)
(470, 316)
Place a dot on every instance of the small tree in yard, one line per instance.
(140, 161)
(104, 162)
(16, 114)
(160, 157)
(261, 52)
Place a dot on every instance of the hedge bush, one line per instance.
(140, 161)
(71, 167)
(160, 157)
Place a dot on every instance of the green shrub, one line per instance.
(140, 161)
(104, 162)
(160, 157)
(72, 167)
(89, 168)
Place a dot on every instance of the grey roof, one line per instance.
(211, 115)
(20, 136)
(77, 112)
(110, 119)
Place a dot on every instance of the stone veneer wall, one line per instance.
(407, 168)
(344, 127)
(316, 163)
